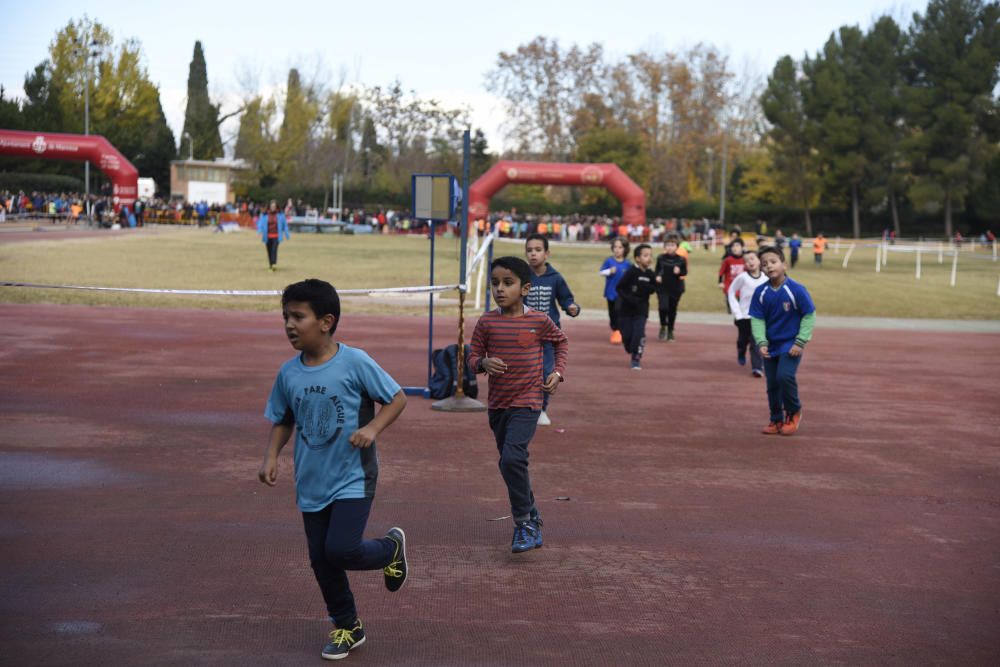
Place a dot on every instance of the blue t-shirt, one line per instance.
(782, 310)
(795, 244)
(611, 282)
(327, 404)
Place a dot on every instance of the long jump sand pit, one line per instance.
(134, 531)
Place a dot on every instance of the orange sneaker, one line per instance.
(616, 337)
(791, 424)
(774, 428)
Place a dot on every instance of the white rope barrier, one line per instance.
(419, 289)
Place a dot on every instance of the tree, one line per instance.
(790, 136)
(883, 130)
(952, 75)
(201, 119)
(617, 146)
(834, 100)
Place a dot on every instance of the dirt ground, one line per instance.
(134, 531)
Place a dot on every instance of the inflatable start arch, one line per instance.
(80, 147)
(604, 175)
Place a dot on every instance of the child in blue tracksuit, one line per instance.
(782, 316)
(613, 269)
(548, 288)
(272, 227)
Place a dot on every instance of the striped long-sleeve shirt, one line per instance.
(517, 341)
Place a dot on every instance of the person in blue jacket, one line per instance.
(613, 269)
(548, 288)
(272, 227)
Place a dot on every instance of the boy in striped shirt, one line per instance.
(507, 345)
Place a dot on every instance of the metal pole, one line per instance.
(86, 123)
(430, 313)
(722, 181)
(463, 259)
(489, 263)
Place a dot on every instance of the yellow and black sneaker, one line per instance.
(395, 572)
(343, 641)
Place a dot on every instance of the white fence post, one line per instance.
(940, 253)
(878, 258)
(885, 253)
(918, 261)
(836, 248)
(994, 251)
(847, 257)
(954, 267)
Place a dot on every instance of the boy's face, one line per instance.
(774, 268)
(670, 248)
(752, 262)
(535, 253)
(305, 331)
(645, 257)
(508, 290)
(736, 249)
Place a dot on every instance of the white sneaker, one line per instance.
(543, 419)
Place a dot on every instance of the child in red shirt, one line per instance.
(732, 266)
(507, 345)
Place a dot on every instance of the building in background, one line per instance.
(205, 180)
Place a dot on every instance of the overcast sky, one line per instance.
(439, 49)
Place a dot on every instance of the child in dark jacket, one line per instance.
(634, 290)
(670, 271)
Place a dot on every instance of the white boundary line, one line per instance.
(424, 289)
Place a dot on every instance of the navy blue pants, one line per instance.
(782, 387)
(336, 544)
(272, 251)
(633, 328)
(744, 340)
(513, 429)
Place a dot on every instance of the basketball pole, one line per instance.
(459, 402)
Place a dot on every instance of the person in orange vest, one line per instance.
(819, 247)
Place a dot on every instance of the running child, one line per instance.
(326, 394)
(613, 269)
(740, 294)
(819, 247)
(670, 271)
(782, 316)
(794, 246)
(732, 266)
(507, 345)
(549, 292)
(633, 294)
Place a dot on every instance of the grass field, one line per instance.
(193, 258)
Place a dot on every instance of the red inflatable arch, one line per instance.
(604, 175)
(53, 146)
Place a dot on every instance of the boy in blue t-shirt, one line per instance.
(327, 394)
(782, 316)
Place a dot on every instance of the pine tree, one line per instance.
(952, 74)
(201, 120)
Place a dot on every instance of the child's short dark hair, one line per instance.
(735, 241)
(673, 237)
(537, 237)
(639, 248)
(622, 240)
(774, 250)
(319, 294)
(515, 265)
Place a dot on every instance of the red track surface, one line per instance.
(134, 531)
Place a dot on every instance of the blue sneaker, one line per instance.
(741, 358)
(526, 537)
(536, 521)
(343, 641)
